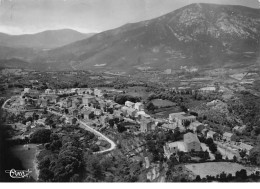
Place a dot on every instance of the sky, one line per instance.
(88, 16)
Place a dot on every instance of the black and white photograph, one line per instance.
(129, 91)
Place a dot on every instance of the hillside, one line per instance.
(200, 35)
(44, 40)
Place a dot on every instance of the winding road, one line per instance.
(82, 125)
(88, 128)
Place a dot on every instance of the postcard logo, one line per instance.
(18, 173)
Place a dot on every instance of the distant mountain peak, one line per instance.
(43, 40)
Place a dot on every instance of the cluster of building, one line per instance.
(89, 105)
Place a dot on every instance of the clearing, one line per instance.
(215, 168)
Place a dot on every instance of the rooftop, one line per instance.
(226, 134)
(190, 137)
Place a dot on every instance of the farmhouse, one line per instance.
(174, 147)
(229, 136)
(246, 147)
(192, 142)
(180, 118)
(197, 126)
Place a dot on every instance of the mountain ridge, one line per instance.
(48, 39)
(197, 33)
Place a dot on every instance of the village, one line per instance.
(91, 109)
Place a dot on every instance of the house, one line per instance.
(27, 90)
(192, 142)
(47, 91)
(129, 104)
(98, 92)
(87, 99)
(212, 134)
(238, 129)
(174, 147)
(196, 126)
(67, 103)
(142, 115)
(204, 132)
(147, 125)
(181, 118)
(97, 112)
(40, 121)
(86, 114)
(128, 112)
(28, 114)
(169, 126)
(229, 137)
(246, 147)
(104, 120)
(44, 103)
(75, 113)
(208, 89)
(139, 106)
(76, 103)
(22, 101)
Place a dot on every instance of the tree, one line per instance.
(66, 111)
(111, 122)
(186, 123)
(242, 174)
(218, 156)
(74, 121)
(213, 148)
(40, 136)
(235, 158)
(121, 128)
(254, 156)
(95, 148)
(242, 153)
(46, 175)
(198, 179)
(91, 115)
(150, 106)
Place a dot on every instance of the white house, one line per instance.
(139, 106)
(129, 104)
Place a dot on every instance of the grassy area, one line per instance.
(27, 157)
(137, 92)
(162, 103)
(164, 112)
(215, 168)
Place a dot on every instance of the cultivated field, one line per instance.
(162, 103)
(215, 168)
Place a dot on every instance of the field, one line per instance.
(137, 92)
(162, 103)
(27, 157)
(164, 112)
(215, 168)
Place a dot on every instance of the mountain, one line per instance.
(200, 35)
(44, 40)
(14, 63)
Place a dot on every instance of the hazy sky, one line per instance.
(31, 16)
